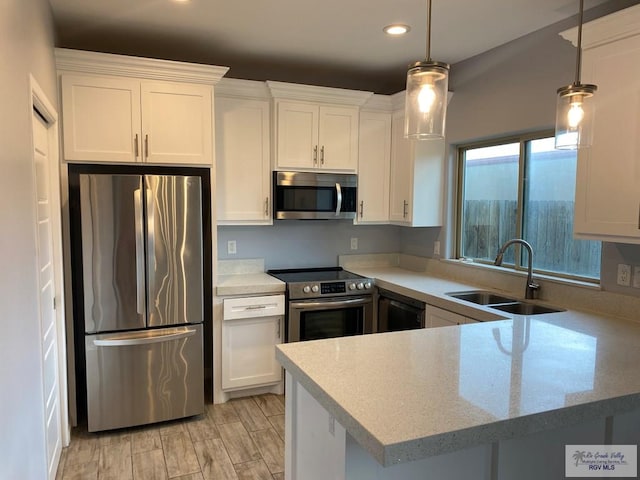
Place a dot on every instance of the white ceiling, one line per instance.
(303, 40)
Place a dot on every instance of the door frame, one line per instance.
(41, 103)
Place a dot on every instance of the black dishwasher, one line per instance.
(397, 312)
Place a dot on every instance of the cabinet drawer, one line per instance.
(252, 307)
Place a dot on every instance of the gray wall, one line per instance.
(26, 46)
(294, 244)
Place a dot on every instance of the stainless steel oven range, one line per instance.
(326, 302)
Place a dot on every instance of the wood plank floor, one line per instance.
(238, 440)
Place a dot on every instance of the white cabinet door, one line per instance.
(251, 329)
(242, 161)
(297, 135)
(177, 123)
(249, 355)
(437, 317)
(374, 167)
(417, 178)
(338, 138)
(608, 177)
(401, 173)
(101, 118)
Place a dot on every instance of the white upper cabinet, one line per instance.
(374, 167)
(608, 176)
(243, 167)
(126, 109)
(177, 123)
(101, 118)
(316, 127)
(417, 178)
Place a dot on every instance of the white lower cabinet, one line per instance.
(251, 328)
(437, 317)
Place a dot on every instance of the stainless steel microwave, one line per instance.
(314, 196)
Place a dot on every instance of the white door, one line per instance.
(46, 287)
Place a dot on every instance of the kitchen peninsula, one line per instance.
(489, 400)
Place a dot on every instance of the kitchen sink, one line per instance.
(481, 297)
(524, 308)
(505, 304)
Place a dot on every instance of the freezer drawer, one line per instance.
(145, 376)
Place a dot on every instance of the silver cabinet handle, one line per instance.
(135, 146)
(361, 208)
(278, 333)
(255, 307)
(405, 204)
(339, 202)
(315, 155)
(139, 225)
(322, 155)
(266, 207)
(142, 339)
(146, 147)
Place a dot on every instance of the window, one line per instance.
(523, 188)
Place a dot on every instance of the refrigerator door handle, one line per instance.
(151, 231)
(123, 340)
(139, 225)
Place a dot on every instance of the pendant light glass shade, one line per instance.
(426, 100)
(574, 116)
(426, 95)
(575, 109)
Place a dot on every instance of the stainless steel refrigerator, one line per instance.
(142, 289)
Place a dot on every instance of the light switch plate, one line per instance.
(624, 275)
(354, 243)
(231, 247)
(436, 248)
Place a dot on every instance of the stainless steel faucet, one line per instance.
(532, 287)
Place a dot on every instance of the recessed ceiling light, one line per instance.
(396, 29)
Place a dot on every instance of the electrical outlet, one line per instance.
(624, 275)
(354, 243)
(231, 247)
(636, 277)
(436, 248)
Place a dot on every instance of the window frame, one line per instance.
(521, 262)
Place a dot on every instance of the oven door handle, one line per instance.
(329, 304)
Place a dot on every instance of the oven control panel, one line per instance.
(362, 286)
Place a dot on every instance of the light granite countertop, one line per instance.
(245, 277)
(413, 394)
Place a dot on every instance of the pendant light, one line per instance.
(426, 95)
(575, 108)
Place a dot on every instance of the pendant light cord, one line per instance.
(579, 55)
(429, 30)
